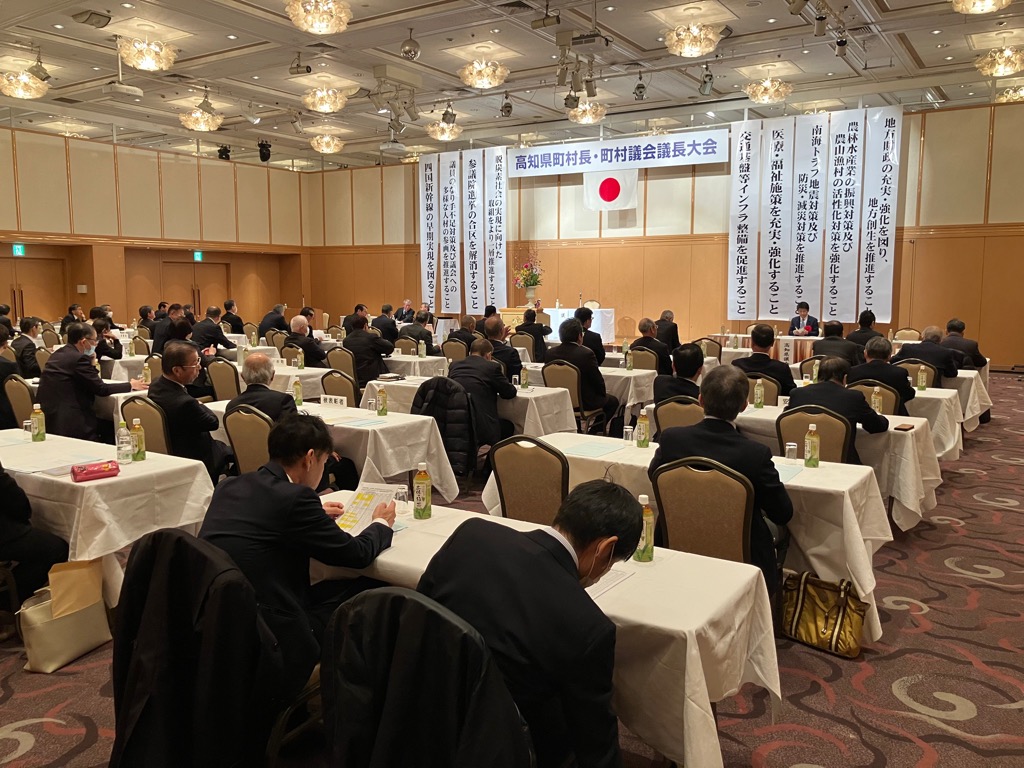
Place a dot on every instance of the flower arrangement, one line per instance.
(527, 274)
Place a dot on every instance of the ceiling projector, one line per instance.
(392, 147)
(115, 88)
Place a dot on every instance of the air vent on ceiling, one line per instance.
(516, 6)
(66, 100)
(322, 47)
(177, 76)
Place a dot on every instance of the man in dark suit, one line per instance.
(724, 395)
(538, 331)
(648, 340)
(368, 349)
(189, 422)
(954, 339)
(273, 319)
(425, 307)
(481, 377)
(591, 340)
(70, 383)
(25, 346)
(762, 338)
(804, 324)
(668, 331)
(688, 362)
(311, 350)
(489, 311)
(571, 350)
(465, 333)
(208, 333)
(930, 350)
(147, 318)
(231, 317)
(273, 550)
(834, 345)
(162, 331)
(553, 644)
(496, 332)
(877, 367)
(257, 373)
(5, 319)
(75, 315)
(866, 331)
(309, 313)
(109, 346)
(405, 313)
(385, 323)
(418, 332)
(7, 418)
(359, 311)
(831, 392)
(190, 314)
(35, 551)
(161, 311)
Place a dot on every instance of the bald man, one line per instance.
(314, 353)
(258, 373)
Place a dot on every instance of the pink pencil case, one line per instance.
(98, 469)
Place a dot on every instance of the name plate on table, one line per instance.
(339, 400)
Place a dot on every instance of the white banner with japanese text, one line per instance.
(473, 218)
(690, 148)
(810, 168)
(428, 227)
(776, 290)
(495, 189)
(878, 220)
(743, 220)
(842, 243)
(451, 257)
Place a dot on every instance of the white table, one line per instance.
(941, 407)
(412, 365)
(603, 323)
(728, 355)
(974, 398)
(674, 655)
(534, 411)
(107, 407)
(634, 387)
(125, 369)
(285, 375)
(231, 355)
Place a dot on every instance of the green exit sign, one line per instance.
(18, 249)
(197, 255)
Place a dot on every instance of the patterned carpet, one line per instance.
(944, 687)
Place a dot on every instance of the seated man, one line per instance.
(190, 314)
(481, 377)
(955, 339)
(257, 373)
(162, 330)
(425, 307)
(496, 332)
(147, 318)
(35, 551)
(368, 349)
(762, 338)
(161, 311)
(647, 340)
(930, 350)
(273, 319)
(834, 345)
(208, 333)
(418, 332)
(489, 311)
(25, 346)
(385, 323)
(109, 346)
(571, 350)
(189, 422)
(465, 331)
(180, 330)
(311, 350)
(554, 646)
(804, 324)
(877, 367)
(271, 522)
(866, 331)
(831, 392)
(668, 331)
(75, 315)
(309, 313)
(7, 368)
(538, 331)
(724, 395)
(591, 340)
(406, 313)
(359, 311)
(5, 318)
(232, 318)
(688, 362)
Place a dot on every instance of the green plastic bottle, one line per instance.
(645, 550)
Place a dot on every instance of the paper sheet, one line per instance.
(594, 449)
(359, 510)
(608, 581)
(33, 457)
(788, 471)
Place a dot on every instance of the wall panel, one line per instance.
(338, 207)
(8, 196)
(910, 170)
(1001, 282)
(400, 195)
(138, 191)
(285, 208)
(43, 183)
(627, 222)
(666, 281)
(312, 186)
(217, 195)
(711, 199)
(937, 297)
(954, 167)
(669, 201)
(707, 288)
(512, 210)
(253, 193)
(574, 220)
(93, 189)
(180, 190)
(538, 208)
(624, 292)
(367, 207)
(1006, 203)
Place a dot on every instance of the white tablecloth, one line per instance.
(941, 407)
(728, 355)
(232, 354)
(104, 407)
(124, 369)
(603, 324)
(284, 375)
(634, 387)
(411, 365)
(974, 398)
(673, 656)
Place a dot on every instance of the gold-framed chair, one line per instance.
(713, 348)
(248, 429)
(226, 327)
(334, 331)
(339, 383)
(47, 326)
(807, 364)
(51, 338)
(290, 353)
(592, 304)
(20, 395)
(375, 331)
(155, 362)
(143, 332)
(532, 478)
(342, 359)
(644, 359)
(678, 411)
(835, 431)
(772, 388)
(139, 346)
(407, 345)
(907, 334)
(453, 349)
(280, 337)
(479, 335)
(250, 329)
(8, 354)
(750, 327)
(224, 379)
(325, 319)
(153, 421)
(559, 373)
(912, 366)
(42, 357)
(522, 341)
(890, 397)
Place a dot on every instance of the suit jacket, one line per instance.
(189, 422)
(943, 358)
(594, 393)
(833, 346)
(271, 528)
(418, 333)
(673, 386)
(25, 350)
(207, 333)
(466, 337)
(67, 391)
(509, 356)
(480, 326)
(861, 336)
(7, 419)
(404, 315)
(483, 381)
(538, 331)
(969, 349)
(369, 350)
(812, 323)
(387, 327)
(660, 349)
(272, 320)
(892, 375)
(110, 349)
(16, 510)
(313, 352)
(595, 344)
(719, 440)
(161, 335)
(776, 369)
(346, 323)
(846, 402)
(668, 333)
(146, 323)
(66, 321)
(553, 644)
(236, 323)
(5, 321)
(266, 400)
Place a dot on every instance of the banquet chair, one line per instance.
(51, 338)
(705, 508)
(269, 336)
(835, 431)
(334, 331)
(224, 379)
(678, 411)
(47, 326)
(340, 384)
(592, 304)
(325, 319)
(907, 334)
(248, 429)
(374, 331)
(155, 362)
(448, 403)
(751, 327)
(913, 365)
(139, 346)
(644, 359)
(341, 359)
(8, 354)
(890, 397)
(153, 421)
(407, 345)
(522, 341)
(479, 335)
(42, 357)
(713, 347)
(807, 365)
(226, 327)
(279, 340)
(559, 373)
(771, 388)
(290, 353)
(143, 332)
(453, 349)
(19, 393)
(250, 329)
(532, 478)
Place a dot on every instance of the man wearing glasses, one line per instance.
(189, 422)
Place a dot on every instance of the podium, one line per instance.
(513, 316)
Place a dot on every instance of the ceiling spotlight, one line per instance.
(506, 106)
(820, 24)
(796, 7)
(224, 153)
(411, 110)
(379, 102)
(547, 20)
(640, 89)
(396, 125)
(841, 47)
(571, 100)
(251, 116)
(393, 106)
(410, 50)
(264, 146)
(38, 70)
(707, 81)
(576, 80)
(92, 18)
(448, 118)
(297, 125)
(590, 86)
(298, 68)
(563, 76)
(445, 129)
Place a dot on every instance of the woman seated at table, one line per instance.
(110, 340)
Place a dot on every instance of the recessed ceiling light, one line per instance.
(830, 73)
(772, 21)
(527, 91)
(58, 26)
(936, 31)
(661, 39)
(232, 37)
(127, 5)
(805, 50)
(496, 30)
(96, 69)
(710, 114)
(949, 58)
(255, 77)
(970, 93)
(554, 55)
(323, 64)
(609, 7)
(942, 45)
(138, 99)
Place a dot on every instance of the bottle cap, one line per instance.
(36, 406)
(422, 466)
(643, 499)
(123, 424)
(813, 427)
(878, 389)
(136, 422)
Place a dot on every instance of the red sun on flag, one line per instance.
(609, 189)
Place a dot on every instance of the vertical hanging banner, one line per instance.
(743, 220)
(846, 144)
(473, 224)
(496, 180)
(878, 224)
(809, 171)
(776, 292)
(451, 257)
(428, 227)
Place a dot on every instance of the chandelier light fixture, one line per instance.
(588, 113)
(411, 159)
(1001, 62)
(321, 17)
(692, 40)
(326, 144)
(145, 55)
(973, 7)
(445, 129)
(325, 100)
(483, 74)
(771, 90)
(22, 85)
(202, 117)
(1011, 95)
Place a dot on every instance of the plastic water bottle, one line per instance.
(629, 359)
(645, 549)
(297, 391)
(300, 360)
(735, 341)
(138, 441)
(147, 375)
(382, 402)
(814, 371)
(922, 378)
(421, 493)
(253, 339)
(643, 430)
(759, 393)
(524, 378)
(124, 444)
(421, 348)
(38, 424)
(812, 446)
(876, 400)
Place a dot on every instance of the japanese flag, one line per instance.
(609, 190)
